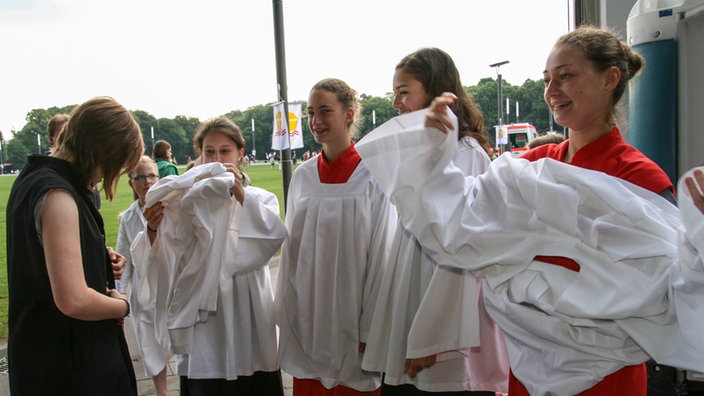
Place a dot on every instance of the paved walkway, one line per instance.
(145, 386)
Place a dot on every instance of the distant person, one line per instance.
(154, 356)
(340, 226)
(162, 155)
(550, 138)
(53, 127)
(65, 333)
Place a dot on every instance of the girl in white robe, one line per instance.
(412, 319)
(221, 324)
(132, 222)
(635, 296)
(340, 226)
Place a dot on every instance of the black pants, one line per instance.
(410, 390)
(261, 383)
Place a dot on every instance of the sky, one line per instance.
(208, 57)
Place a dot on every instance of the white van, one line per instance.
(519, 135)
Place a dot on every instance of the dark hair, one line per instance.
(604, 49)
(219, 124)
(344, 94)
(101, 133)
(52, 127)
(550, 138)
(436, 70)
(160, 148)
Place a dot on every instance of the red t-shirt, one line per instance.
(612, 155)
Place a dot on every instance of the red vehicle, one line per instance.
(519, 135)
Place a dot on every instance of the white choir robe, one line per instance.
(208, 274)
(423, 309)
(639, 289)
(154, 355)
(331, 267)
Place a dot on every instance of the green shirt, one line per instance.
(165, 168)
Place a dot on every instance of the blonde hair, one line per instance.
(145, 159)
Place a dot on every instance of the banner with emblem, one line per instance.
(501, 134)
(284, 135)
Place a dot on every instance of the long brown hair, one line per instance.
(160, 148)
(437, 72)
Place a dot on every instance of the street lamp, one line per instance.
(499, 84)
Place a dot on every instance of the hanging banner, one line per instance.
(501, 135)
(279, 140)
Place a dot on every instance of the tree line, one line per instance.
(179, 131)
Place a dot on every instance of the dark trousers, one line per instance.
(261, 383)
(410, 390)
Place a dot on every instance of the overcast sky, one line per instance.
(207, 57)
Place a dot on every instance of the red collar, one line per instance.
(340, 170)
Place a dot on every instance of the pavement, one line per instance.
(145, 387)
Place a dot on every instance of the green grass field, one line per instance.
(261, 174)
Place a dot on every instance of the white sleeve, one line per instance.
(450, 290)
(688, 274)
(385, 218)
(471, 157)
(261, 230)
(448, 316)
(141, 253)
(123, 248)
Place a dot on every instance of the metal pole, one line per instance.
(283, 90)
(39, 144)
(2, 159)
(500, 95)
(501, 107)
(254, 147)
